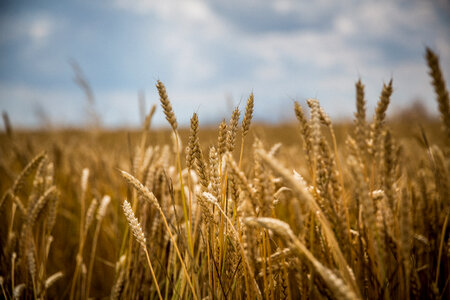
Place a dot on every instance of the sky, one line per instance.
(211, 55)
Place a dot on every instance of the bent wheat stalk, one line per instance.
(336, 285)
(304, 195)
(140, 238)
(147, 195)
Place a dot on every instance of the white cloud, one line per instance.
(186, 27)
(193, 12)
(283, 6)
(187, 59)
(344, 26)
(33, 28)
(40, 29)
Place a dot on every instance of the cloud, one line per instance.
(40, 29)
(205, 50)
(321, 51)
(35, 29)
(189, 12)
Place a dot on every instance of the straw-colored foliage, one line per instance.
(311, 210)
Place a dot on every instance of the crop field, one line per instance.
(311, 210)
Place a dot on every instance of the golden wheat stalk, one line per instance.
(147, 195)
(140, 238)
(339, 288)
(305, 196)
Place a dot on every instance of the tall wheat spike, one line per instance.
(144, 192)
(167, 107)
(140, 238)
(440, 89)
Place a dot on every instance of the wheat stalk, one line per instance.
(303, 193)
(99, 216)
(147, 195)
(337, 285)
(140, 238)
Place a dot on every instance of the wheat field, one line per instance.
(243, 211)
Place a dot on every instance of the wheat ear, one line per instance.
(304, 195)
(213, 200)
(222, 138)
(246, 124)
(167, 107)
(440, 89)
(147, 195)
(380, 116)
(360, 116)
(305, 131)
(232, 128)
(340, 289)
(140, 238)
